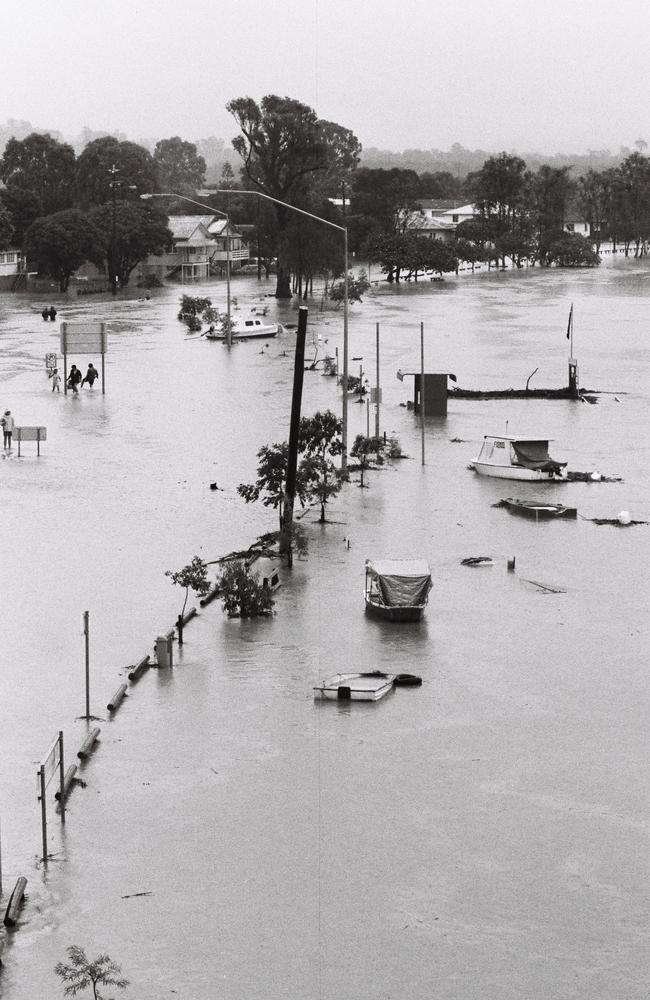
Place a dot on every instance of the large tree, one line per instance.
(385, 197)
(42, 166)
(549, 191)
(6, 228)
(108, 166)
(285, 150)
(23, 207)
(59, 244)
(140, 230)
(180, 169)
(498, 192)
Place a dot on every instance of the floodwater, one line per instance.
(485, 835)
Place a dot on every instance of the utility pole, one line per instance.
(377, 389)
(294, 430)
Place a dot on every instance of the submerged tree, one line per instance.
(194, 577)
(80, 973)
(59, 244)
(242, 594)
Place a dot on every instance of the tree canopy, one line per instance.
(179, 167)
(140, 230)
(286, 151)
(61, 243)
(135, 171)
(44, 167)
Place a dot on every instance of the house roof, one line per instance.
(437, 204)
(423, 223)
(183, 227)
(459, 209)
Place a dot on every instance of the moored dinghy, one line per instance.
(507, 456)
(369, 686)
(537, 508)
(397, 589)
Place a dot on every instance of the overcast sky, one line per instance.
(547, 76)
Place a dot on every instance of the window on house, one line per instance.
(570, 227)
(454, 218)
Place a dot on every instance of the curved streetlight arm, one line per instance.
(171, 194)
(217, 211)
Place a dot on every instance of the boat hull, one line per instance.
(254, 334)
(539, 511)
(408, 613)
(517, 472)
(355, 687)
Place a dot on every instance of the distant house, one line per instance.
(438, 219)
(199, 248)
(13, 268)
(575, 223)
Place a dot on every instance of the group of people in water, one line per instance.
(49, 313)
(76, 380)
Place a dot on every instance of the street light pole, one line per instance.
(344, 230)
(217, 211)
(114, 170)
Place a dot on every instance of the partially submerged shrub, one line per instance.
(242, 594)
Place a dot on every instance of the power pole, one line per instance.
(294, 430)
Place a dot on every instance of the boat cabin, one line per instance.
(518, 452)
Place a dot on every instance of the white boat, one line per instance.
(244, 328)
(355, 687)
(397, 590)
(507, 456)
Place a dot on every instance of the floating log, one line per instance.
(189, 615)
(67, 783)
(137, 671)
(116, 698)
(214, 591)
(88, 744)
(15, 902)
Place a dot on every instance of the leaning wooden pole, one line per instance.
(294, 430)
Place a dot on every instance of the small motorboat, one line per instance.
(511, 457)
(355, 687)
(397, 590)
(537, 508)
(243, 328)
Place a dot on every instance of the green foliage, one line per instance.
(393, 448)
(139, 230)
(363, 448)
(287, 153)
(135, 171)
(6, 228)
(572, 250)
(80, 973)
(42, 166)
(195, 310)
(271, 478)
(179, 167)
(194, 577)
(61, 243)
(242, 593)
(356, 288)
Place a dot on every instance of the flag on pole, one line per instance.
(570, 323)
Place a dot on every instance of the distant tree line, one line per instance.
(64, 209)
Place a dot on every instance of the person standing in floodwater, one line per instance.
(56, 381)
(8, 425)
(52, 313)
(46, 314)
(74, 378)
(90, 376)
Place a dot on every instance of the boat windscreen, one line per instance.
(534, 455)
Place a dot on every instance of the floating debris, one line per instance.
(622, 520)
(477, 561)
(591, 477)
(546, 587)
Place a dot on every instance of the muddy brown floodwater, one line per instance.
(483, 835)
